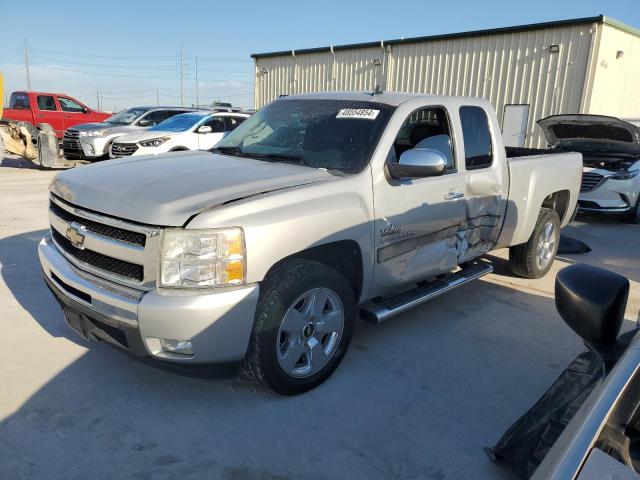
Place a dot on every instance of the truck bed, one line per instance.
(533, 177)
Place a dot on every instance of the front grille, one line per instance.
(123, 149)
(98, 260)
(127, 236)
(71, 145)
(591, 181)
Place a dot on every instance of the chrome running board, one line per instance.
(381, 309)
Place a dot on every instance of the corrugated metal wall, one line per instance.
(616, 75)
(506, 68)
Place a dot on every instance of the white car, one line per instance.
(610, 150)
(188, 131)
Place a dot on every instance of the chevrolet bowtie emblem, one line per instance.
(75, 234)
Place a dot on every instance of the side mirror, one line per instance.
(145, 123)
(85, 110)
(417, 163)
(204, 129)
(592, 301)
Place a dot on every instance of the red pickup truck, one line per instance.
(57, 109)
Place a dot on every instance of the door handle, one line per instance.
(41, 115)
(453, 195)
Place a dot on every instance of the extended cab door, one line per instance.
(486, 178)
(46, 111)
(417, 220)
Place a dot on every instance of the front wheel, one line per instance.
(534, 258)
(303, 327)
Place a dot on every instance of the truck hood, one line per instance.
(169, 189)
(598, 133)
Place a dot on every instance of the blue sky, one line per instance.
(130, 50)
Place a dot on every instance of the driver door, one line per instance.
(417, 220)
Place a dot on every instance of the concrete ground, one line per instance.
(417, 397)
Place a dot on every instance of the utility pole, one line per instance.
(98, 98)
(157, 97)
(181, 77)
(197, 103)
(26, 64)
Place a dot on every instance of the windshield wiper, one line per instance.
(236, 151)
(299, 159)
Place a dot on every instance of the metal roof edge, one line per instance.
(620, 26)
(446, 36)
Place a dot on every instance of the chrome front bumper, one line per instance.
(217, 323)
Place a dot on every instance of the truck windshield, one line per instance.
(179, 123)
(332, 134)
(125, 117)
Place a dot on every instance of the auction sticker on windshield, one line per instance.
(366, 113)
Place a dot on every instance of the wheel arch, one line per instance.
(345, 256)
(558, 201)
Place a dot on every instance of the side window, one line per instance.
(233, 122)
(157, 116)
(19, 100)
(478, 151)
(216, 124)
(171, 113)
(425, 128)
(46, 102)
(68, 105)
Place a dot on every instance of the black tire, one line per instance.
(284, 284)
(633, 216)
(522, 258)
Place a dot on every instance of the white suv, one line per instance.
(610, 150)
(188, 131)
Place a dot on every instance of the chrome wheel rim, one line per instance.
(546, 246)
(310, 332)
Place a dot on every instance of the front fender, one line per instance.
(283, 223)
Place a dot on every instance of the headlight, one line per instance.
(202, 258)
(625, 174)
(93, 133)
(154, 142)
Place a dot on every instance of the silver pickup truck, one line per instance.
(318, 209)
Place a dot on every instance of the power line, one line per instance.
(85, 64)
(117, 57)
(106, 74)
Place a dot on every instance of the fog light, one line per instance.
(183, 347)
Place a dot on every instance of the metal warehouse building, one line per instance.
(528, 72)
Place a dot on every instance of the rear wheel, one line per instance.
(534, 258)
(303, 327)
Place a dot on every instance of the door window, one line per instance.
(46, 102)
(478, 151)
(216, 124)
(68, 105)
(233, 122)
(425, 128)
(157, 116)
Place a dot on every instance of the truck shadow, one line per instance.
(465, 368)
